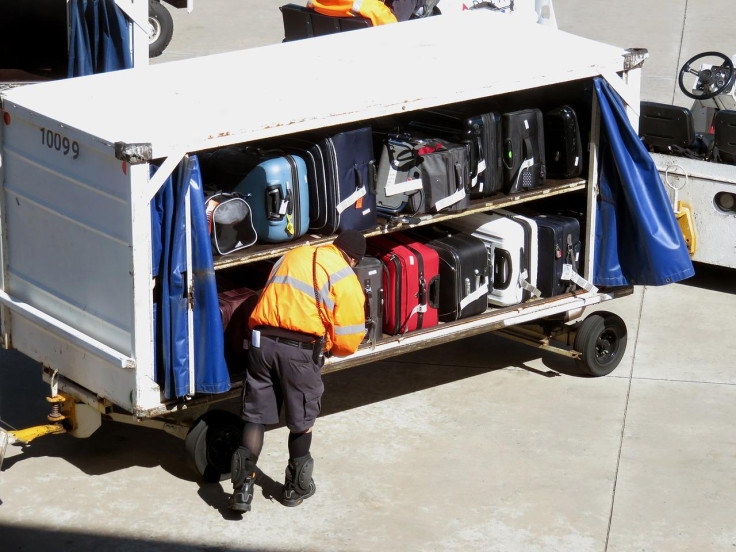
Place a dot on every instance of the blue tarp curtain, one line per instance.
(638, 240)
(99, 39)
(168, 231)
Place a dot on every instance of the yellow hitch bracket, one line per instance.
(29, 434)
(684, 216)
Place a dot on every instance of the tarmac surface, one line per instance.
(482, 444)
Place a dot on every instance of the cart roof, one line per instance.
(210, 101)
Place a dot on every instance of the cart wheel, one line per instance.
(161, 28)
(601, 341)
(211, 443)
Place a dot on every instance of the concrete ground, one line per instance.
(478, 445)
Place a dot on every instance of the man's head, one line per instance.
(352, 243)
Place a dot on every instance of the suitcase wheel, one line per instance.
(601, 342)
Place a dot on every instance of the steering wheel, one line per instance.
(711, 82)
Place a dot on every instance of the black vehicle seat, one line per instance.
(725, 136)
(301, 22)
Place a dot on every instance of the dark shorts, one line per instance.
(280, 374)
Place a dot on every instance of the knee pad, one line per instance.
(300, 470)
(242, 466)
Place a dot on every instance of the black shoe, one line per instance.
(243, 496)
(292, 497)
(296, 488)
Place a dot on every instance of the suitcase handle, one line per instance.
(434, 292)
(274, 198)
(502, 269)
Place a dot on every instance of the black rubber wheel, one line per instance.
(601, 342)
(211, 443)
(161, 28)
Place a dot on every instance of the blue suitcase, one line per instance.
(273, 183)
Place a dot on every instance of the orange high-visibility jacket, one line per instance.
(375, 10)
(288, 299)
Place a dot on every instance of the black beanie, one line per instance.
(352, 243)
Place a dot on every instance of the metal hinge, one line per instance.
(135, 154)
(635, 58)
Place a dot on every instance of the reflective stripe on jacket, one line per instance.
(375, 10)
(288, 299)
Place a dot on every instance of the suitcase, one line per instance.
(563, 147)
(370, 275)
(425, 173)
(236, 306)
(341, 175)
(273, 183)
(398, 175)
(411, 283)
(464, 275)
(508, 242)
(482, 134)
(523, 150)
(558, 244)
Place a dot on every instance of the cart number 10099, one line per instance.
(54, 140)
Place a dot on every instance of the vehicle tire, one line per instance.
(601, 342)
(161, 28)
(211, 443)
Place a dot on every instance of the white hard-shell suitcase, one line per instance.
(510, 246)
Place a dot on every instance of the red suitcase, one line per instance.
(411, 283)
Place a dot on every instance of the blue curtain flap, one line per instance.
(99, 38)
(638, 240)
(168, 226)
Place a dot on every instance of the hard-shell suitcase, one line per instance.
(273, 183)
(508, 242)
(481, 132)
(236, 306)
(563, 147)
(523, 150)
(411, 283)
(370, 275)
(465, 275)
(341, 178)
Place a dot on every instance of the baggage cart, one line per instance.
(82, 160)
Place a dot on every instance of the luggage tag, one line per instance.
(526, 285)
(568, 273)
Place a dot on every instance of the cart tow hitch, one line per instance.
(56, 418)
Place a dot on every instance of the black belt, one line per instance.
(291, 342)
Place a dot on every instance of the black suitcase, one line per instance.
(523, 150)
(370, 275)
(558, 244)
(465, 276)
(563, 147)
(482, 134)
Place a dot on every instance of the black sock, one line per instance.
(253, 437)
(299, 444)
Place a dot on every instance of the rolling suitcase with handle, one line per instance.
(341, 174)
(508, 242)
(465, 275)
(370, 275)
(411, 283)
(273, 183)
(563, 147)
(523, 150)
(481, 132)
